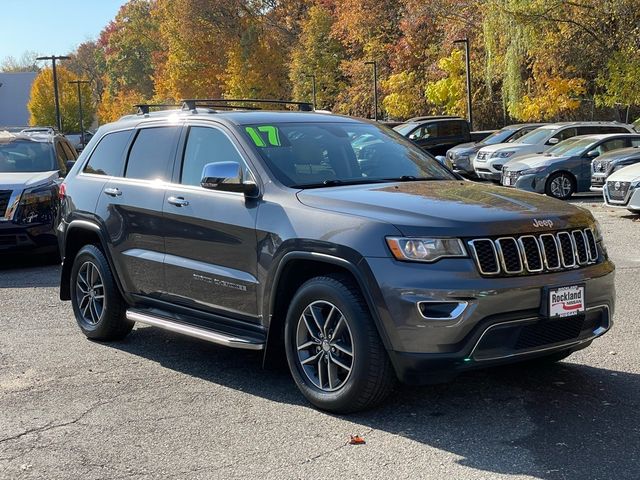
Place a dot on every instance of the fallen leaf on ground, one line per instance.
(356, 440)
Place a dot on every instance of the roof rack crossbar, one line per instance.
(193, 103)
(145, 108)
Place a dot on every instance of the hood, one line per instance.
(448, 208)
(22, 180)
(466, 148)
(533, 161)
(626, 174)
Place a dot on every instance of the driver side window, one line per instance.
(207, 145)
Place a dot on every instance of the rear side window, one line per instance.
(108, 156)
(151, 153)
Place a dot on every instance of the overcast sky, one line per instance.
(51, 27)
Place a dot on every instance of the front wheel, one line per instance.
(560, 186)
(333, 348)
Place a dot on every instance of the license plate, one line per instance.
(506, 181)
(565, 301)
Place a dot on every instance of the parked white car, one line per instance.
(623, 188)
(489, 160)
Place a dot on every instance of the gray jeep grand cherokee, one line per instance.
(270, 231)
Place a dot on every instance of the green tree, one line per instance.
(41, 102)
(448, 93)
(317, 53)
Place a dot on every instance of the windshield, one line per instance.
(570, 147)
(26, 156)
(326, 154)
(539, 135)
(501, 136)
(405, 128)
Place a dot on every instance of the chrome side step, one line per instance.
(193, 331)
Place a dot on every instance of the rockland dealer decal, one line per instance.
(566, 301)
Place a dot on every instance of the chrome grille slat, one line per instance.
(535, 253)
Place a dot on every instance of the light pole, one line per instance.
(313, 86)
(467, 61)
(53, 59)
(375, 88)
(78, 83)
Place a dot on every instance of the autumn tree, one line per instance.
(25, 63)
(318, 54)
(41, 103)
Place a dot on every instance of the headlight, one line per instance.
(533, 171)
(37, 205)
(506, 154)
(635, 184)
(425, 249)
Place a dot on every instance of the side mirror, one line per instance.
(553, 141)
(442, 160)
(227, 177)
(593, 154)
(69, 165)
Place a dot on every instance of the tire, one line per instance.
(337, 382)
(560, 185)
(99, 310)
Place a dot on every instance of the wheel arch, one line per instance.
(296, 268)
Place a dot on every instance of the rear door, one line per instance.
(131, 209)
(211, 246)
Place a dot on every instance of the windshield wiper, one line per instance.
(411, 178)
(336, 183)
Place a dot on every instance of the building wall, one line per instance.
(15, 89)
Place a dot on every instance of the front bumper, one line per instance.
(631, 200)
(532, 183)
(40, 238)
(597, 182)
(424, 349)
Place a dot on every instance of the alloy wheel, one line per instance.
(325, 346)
(90, 293)
(561, 186)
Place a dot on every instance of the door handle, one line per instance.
(113, 192)
(178, 201)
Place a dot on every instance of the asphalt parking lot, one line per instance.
(159, 405)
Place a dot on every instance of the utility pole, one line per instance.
(53, 59)
(313, 86)
(375, 88)
(468, 65)
(78, 83)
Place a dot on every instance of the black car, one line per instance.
(461, 156)
(610, 162)
(31, 166)
(270, 231)
(436, 135)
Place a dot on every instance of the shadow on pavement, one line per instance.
(25, 271)
(565, 421)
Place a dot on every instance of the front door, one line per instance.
(211, 247)
(131, 206)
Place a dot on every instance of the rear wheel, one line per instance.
(333, 349)
(560, 185)
(97, 304)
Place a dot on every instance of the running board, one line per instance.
(193, 331)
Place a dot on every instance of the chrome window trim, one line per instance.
(544, 250)
(596, 333)
(573, 250)
(475, 255)
(524, 253)
(501, 255)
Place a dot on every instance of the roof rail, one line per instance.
(145, 108)
(240, 103)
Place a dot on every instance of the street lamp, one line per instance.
(467, 61)
(78, 83)
(375, 88)
(313, 86)
(53, 59)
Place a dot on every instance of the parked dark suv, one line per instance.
(32, 163)
(270, 231)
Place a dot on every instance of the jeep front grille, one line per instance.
(529, 254)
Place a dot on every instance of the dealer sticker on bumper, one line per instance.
(566, 301)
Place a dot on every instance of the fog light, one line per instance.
(441, 310)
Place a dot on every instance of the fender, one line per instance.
(358, 274)
(65, 293)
